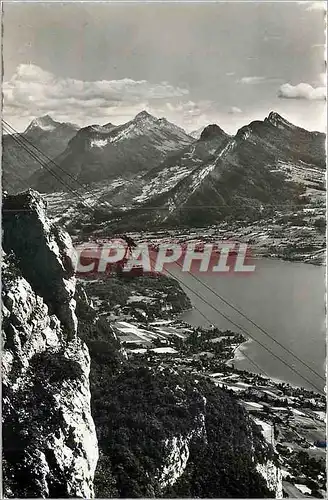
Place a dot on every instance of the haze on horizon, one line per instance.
(195, 64)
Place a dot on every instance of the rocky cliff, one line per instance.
(270, 470)
(49, 441)
(177, 449)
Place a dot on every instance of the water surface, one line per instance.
(286, 299)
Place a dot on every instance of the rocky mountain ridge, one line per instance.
(49, 439)
(100, 153)
(46, 123)
(219, 177)
(244, 171)
(268, 165)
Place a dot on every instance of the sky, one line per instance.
(193, 63)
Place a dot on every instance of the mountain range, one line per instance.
(156, 170)
(243, 173)
(97, 153)
(221, 177)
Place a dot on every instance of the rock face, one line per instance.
(273, 477)
(43, 252)
(176, 460)
(269, 470)
(49, 441)
(177, 450)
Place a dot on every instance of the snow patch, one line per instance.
(303, 489)
(98, 143)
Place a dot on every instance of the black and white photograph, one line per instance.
(163, 270)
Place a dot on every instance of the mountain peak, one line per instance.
(109, 125)
(43, 122)
(211, 131)
(197, 133)
(144, 115)
(278, 121)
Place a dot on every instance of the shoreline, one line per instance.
(239, 356)
(301, 260)
(238, 353)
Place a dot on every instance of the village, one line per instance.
(292, 419)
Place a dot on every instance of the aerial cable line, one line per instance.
(38, 151)
(206, 286)
(49, 160)
(246, 332)
(22, 144)
(19, 140)
(254, 324)
(37, 158)
(55, 175)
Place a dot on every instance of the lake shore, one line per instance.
(285, 299)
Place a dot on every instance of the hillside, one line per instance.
(135, 190)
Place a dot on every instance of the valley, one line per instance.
(164, 239)
(154, 377)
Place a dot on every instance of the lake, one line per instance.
(286, 299)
